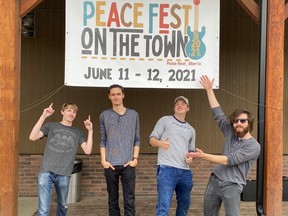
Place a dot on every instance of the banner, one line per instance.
(141, 44)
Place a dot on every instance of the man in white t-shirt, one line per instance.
(174, 138)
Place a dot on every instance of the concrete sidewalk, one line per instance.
(27, 206)
(145, 206)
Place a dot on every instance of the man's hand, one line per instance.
(88, 124)
(165, 144)
(107, 165)
(208, 86)
(189, 159)
(36, 133)
(48, 111)
(132, 163)
(197, 153)
(206, 82)
(219, 159)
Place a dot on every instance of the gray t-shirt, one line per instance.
(241, 153)
(119, 134)
(181, 137)
(61, 147)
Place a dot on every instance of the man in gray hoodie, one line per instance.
(240, 152)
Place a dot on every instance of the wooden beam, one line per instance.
(286, 11)
(9, 105)
(273, 155)
(252, 8)
(27, 5)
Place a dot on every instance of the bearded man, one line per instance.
(240, 152)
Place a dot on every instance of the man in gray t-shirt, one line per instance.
(174, 138)
(63, 140)
(240, 152)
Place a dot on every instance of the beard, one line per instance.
(242, 133)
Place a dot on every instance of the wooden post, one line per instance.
(273, 154)
(9, 105)
(10, 47)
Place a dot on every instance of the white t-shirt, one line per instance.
(181, 136)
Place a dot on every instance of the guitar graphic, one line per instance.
(195, 48)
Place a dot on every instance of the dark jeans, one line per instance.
(128, 176)
(217, 192)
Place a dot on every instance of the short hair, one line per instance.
(69, 105)
(238, 112)
(115, 86)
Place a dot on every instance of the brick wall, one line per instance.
(93, 181)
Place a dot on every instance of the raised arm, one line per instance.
(87, 146)
(207, 85)
(36, 133)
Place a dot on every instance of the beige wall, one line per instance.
(42, 78)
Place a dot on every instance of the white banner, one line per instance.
(141, 44)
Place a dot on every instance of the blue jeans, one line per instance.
(217, 192)
(168, 180)
(46, 181)
(128, 177)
